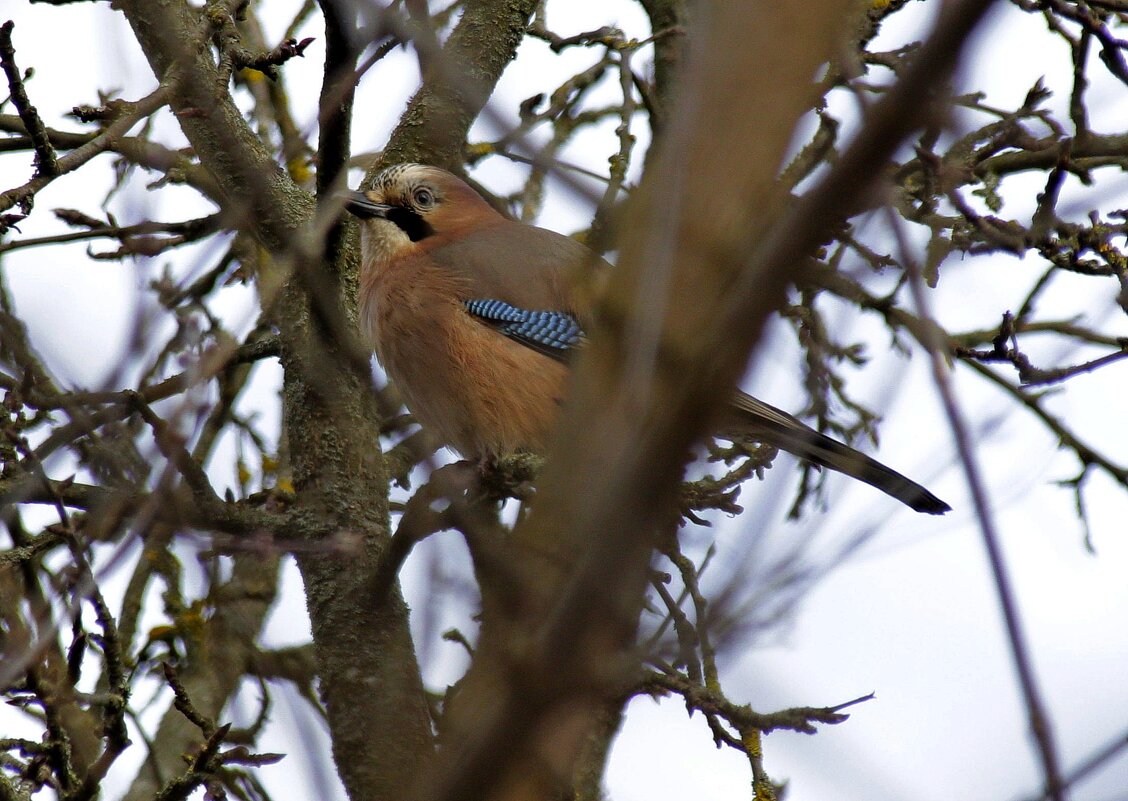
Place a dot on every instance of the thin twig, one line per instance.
(46, 162)
(99, 144)
(1037, 716)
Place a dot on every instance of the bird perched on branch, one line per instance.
(473, 317)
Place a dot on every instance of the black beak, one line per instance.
(359, 204)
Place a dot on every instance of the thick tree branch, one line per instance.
(462, 75)
(706, 259)
(175, 39)
(671, 18)
(369, 678)
(610, 489)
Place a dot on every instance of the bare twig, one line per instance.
(1038, 718)
(46, 162)
(82, 154)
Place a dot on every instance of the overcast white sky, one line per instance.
(911, 617)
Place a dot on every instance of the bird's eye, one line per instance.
(423, 198)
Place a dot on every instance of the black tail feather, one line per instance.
(766, 423)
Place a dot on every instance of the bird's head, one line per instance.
(410, 203)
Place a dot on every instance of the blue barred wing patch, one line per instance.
(550, 332)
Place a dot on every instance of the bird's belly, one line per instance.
(478, 391)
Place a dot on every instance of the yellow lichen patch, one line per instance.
(477, 150)
(299, 170)
(242, 472)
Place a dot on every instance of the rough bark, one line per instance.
(369, 676)
(433, 128)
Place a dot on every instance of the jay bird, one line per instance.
(473, 317)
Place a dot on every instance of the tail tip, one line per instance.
(927, 503)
